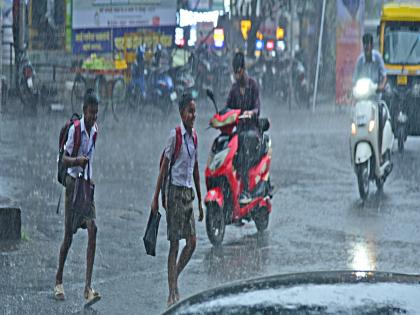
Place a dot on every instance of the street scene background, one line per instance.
(318, 222)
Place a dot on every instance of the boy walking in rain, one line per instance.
(78, 162)
(180, 167)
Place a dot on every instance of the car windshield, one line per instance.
(400, 38)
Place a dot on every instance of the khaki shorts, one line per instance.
(73, 219)
(179, 213)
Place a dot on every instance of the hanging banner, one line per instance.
(89, 14)
(349, 31)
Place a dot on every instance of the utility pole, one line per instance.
(319, 55)
(1, 56)
(292, 50)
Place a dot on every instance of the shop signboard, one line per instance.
(120, 39)
(106, 26)
(88, 14)
(350, 17)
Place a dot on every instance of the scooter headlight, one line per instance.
(371, 125)
(218, 159)
(353, 129)
(364, 88)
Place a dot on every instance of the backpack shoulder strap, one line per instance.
(95, 134)
(77, 137)
(178, 143)
(195, 137)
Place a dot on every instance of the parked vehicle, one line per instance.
(162, 88)
(136, 89)
(27, 84)
(184, 81)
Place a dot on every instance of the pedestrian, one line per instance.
(180, 167)
(79, 163)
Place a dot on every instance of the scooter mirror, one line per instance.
(210, 94)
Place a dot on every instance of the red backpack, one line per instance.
(168, 178)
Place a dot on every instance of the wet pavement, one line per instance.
(317, 223)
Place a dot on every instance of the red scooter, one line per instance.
(224, 185)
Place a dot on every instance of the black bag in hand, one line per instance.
(83, 200)
(150, 236)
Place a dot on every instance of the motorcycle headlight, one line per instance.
(218, 159)
(371, 125)
(353, 129)
(416, 90)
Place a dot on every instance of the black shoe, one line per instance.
(239, 223)
(271, 190)
(245, 198)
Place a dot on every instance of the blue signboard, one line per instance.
(87, 41)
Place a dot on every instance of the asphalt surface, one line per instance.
(318, 221)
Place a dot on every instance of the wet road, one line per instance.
(317, 223)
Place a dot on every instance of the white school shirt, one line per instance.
(87, 148)
(183, 168)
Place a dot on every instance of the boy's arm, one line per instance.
(196, 175)
(162, 174)
(68, 160)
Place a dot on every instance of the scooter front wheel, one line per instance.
(401, 139)
(363, 179)
(215, 224)
(261, 219)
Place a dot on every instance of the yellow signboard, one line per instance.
(219, 34)
(280, 33)
(245, 28)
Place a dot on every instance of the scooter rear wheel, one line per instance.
(215, 224)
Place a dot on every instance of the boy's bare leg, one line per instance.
(64, 250)
(172, 271)
(90, 253)
(186, 253)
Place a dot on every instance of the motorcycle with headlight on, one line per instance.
(371, 139)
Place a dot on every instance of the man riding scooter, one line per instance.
(370, 64)
(244, 95)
